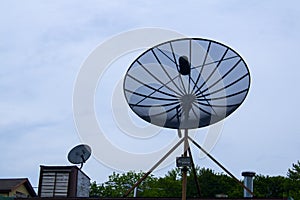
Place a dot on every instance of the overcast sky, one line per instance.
(44, 43)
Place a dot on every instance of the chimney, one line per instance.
(248, 182)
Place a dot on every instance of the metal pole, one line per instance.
(135, 192)
(195, 173)
(184, 170)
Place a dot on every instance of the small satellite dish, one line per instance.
(79, 154)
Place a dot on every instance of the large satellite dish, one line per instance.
(79, 154)
(186, 83)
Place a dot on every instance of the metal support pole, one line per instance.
(195, 173)
(184, 170)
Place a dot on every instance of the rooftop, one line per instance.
(8, 185)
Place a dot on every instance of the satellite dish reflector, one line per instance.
(79, 154)
(186, 83)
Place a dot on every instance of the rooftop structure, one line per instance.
(16, 187)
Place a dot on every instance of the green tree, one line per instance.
(293, 183)
(170, 185)
(294, 173)
(270, 187)
(211, 183)
(118, 184)
(96, 190)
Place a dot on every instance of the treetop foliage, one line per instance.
(210, 182)
(294, 173)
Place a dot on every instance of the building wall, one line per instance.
(83, 185)
(21, 191)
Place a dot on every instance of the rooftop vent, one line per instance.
(248, 182)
